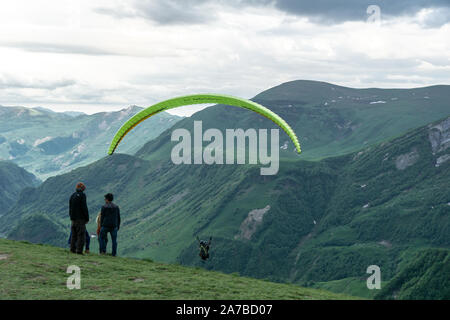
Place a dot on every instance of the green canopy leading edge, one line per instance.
(201, 99)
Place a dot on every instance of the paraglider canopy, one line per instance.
(201, 99)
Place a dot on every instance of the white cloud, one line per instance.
(65, 55)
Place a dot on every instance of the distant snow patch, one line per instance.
(103, 125)
(385, 243)
(359, 154)
(125, 113)
(78, 150)
(41, 141)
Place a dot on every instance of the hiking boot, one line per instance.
(87, 252)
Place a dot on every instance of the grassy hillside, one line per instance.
(31, 228)
(427, 276)
(48, 143)
(39, 272)
(318, 221)
(13, 180)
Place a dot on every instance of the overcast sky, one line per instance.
(96, 56)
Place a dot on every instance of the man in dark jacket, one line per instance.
(87, 242)
(79, 215)
(110, 223)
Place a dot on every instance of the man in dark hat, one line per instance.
(79, 215)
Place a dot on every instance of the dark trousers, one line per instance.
(104, 238)
(88, 239)
(78, 230)
(100, 242)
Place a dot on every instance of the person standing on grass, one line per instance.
(99, 227)
(79, 215)
(88, 241)
(109, 223)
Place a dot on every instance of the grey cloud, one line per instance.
(174, 12)
(57, 93)
(8, 82)
(162, 12)
(437, 18)
(336, 11)
(319, 11)
(57, 48)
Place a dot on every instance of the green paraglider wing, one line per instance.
(201, 99)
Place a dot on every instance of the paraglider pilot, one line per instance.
(204, 248)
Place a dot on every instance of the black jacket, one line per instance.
(110, 216)
(78, 209)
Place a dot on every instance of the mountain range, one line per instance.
(13, 180)
(370, 188)
(48, 143)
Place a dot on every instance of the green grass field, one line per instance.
(29, 271)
